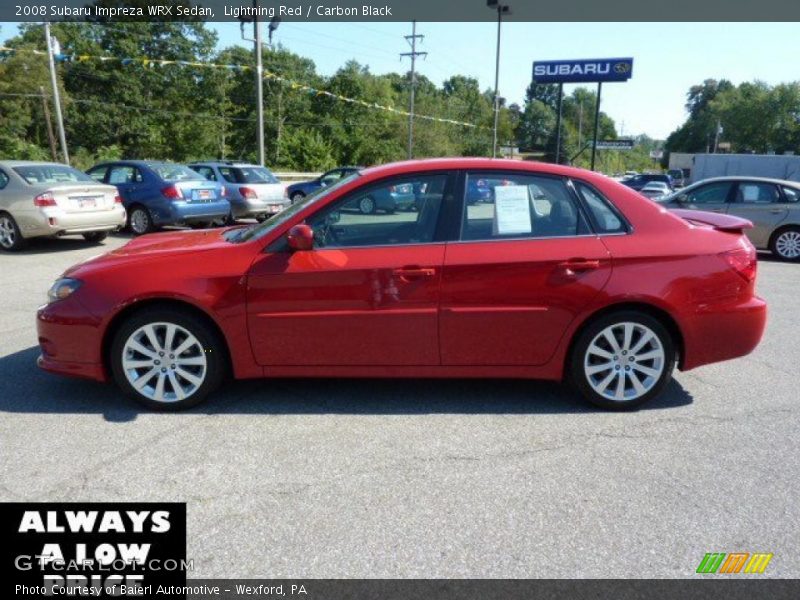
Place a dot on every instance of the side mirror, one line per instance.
(300, 237)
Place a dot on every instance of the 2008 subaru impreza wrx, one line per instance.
(563, 274)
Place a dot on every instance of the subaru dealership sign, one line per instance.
(583, 71)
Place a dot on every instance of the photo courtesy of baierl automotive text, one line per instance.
(442, 299)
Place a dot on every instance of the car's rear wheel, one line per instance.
(140, 221)
(10, 236)
(167, 359)
(366, 205)
(95, 237)
(297, 196)
(622, 360)
(786, 244)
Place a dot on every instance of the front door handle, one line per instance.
(412, 273)
(579, 265)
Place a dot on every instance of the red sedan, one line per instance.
(563, 274)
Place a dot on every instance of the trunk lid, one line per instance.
(84, 197)
(198, 190)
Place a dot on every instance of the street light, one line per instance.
(502, 9)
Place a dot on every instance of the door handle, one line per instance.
(411, 273)
(579, 265)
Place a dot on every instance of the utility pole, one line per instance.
(259, 86)
(56, 96)
(51, 138)
(501, 10)
(412, 40)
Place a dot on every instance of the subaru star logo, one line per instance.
(621, 67)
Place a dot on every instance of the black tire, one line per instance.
(261, 218)
(578, 359)
(214, 349)
(367, 205)
(11, 239)
(140, 221)
(296, 197)
(784, 244)
(95, 237)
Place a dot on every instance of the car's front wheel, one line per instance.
(95, 237)
(786, 245)
(622, 360)
(167, 359)
(297, 196)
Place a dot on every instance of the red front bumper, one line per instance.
(70, 339)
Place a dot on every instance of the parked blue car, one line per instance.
(298, 191)
(161, 193)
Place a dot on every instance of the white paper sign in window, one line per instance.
(512, 213)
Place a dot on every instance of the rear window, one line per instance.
(35, 174)
(248, 175)
(169, 172)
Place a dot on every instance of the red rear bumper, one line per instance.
(723, 333)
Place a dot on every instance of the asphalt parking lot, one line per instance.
(423, 478)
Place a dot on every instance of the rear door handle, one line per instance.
(410, 273)
(579, 265)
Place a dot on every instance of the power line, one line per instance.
(412, 41)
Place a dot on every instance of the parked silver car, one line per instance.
(51, 199)
(773, 205)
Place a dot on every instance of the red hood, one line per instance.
(157, 245)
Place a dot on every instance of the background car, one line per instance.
(298, 191)
(252, 190)
(161, 193)
(772, 205)
(637, 182)
(451, 290)
(655, 189)
(50, 199)
(678, 178)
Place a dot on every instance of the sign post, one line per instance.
(597, 70)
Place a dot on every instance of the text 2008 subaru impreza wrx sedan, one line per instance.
(562, 274)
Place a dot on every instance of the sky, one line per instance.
(668, 57)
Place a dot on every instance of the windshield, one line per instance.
(248, 175)
(169, 172)
(254, 232)
(35, 174)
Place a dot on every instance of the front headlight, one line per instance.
(62, 288)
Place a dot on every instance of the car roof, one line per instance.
(30, 163)
(748, 178)
(477, 164)
(224, 163)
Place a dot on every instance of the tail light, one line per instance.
(45, 199)
(172, 192)
(248, 193)
(743, 261)
(392, 188)
(117, 199)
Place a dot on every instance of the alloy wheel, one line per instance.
(140, 221)
(624, 361)
(366, 205)
(8, 233)
(164, 362)
(787, 244)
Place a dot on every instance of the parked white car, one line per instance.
(50, 199)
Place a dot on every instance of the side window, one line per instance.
(792, 194)
(757, 193)
(123, 174)
(3, 180)
(98, 174)
(331, 177)
(713, 193)
(514, 205)
(606, 218)
(206, 172)
(227, 174)
(398, 211)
